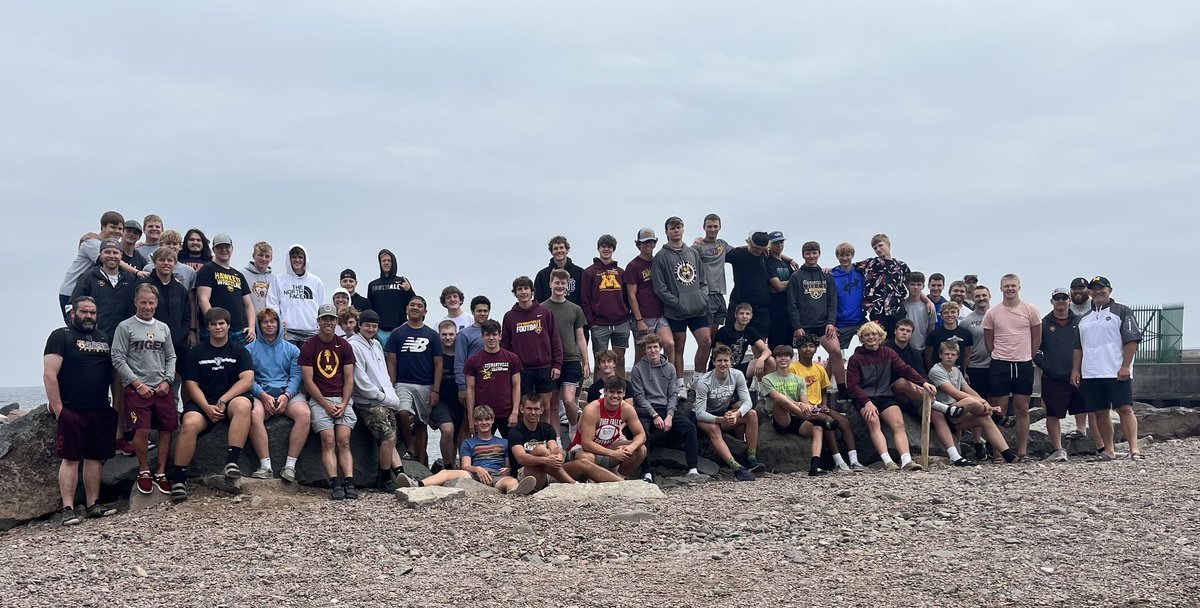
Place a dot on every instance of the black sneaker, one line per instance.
(817, 472)
(337, 492)
(348, 488)
(743, 474)
(98, 510)
(964, 462)
(178, 492)
(981, 450)
(69, 516)
(754, 465)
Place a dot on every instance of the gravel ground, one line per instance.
(1081, 534)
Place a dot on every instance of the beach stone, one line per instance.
(415, 498)
(28, 468)
(470, 486)
(632, 516)
(585, 492)
(139, 501)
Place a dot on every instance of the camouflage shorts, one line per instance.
(380, 421)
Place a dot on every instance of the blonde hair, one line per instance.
(950, 306)
(871, 327)
(170, 237)
(844, 248)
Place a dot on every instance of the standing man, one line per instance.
(979, 361)
(131, 259)
(647, 309)
(680, 284)
(937, 283)
(389, 295)
(297, 295)
(885, 284)
(111, 225)
(1012, 333)
(494, 379)
(468, 342)
(414, 363)
(813, 309)
(174, 307)
(375, 400)
(559, 248)
(1103, 366)
(570, 320)
(602, 297)
(529, 331)
(349, 281)
(779, 273)
(448, 415)
(712, 257)
(258, 274)
(77, 374)
(751, 281)
(851, 283)
(154, 229)
(327, 369)
(1081, 297)
(1060, 339)
(922, 315)
(219, 284)
(452, 299)
(970, 281)
(276, 386)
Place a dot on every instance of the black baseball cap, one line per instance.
(348, 274)
(1078, 282)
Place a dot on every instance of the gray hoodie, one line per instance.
(679, 282)
(259, 282)
(653, 387)
(371, 383)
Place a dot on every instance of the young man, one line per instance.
(389, 295)
(218, 284)
(196, 252)
(902, 344)
(937, 283)
(559, 248)
(751, 282)
(723, 404)
(174, 307)
(791, 412)
(468, 342)
(349, 281)
(970, 281)
(644, 303)
(652, 384)
(1103, 366)
(851, 285)
(712, 257)
(1012, 333)
(258, 274)
(816, 383)
(958, 403)
(297, 295)
(452, 299)
(341, 299)
(414, 363)
(186, 274)
(327, 369)
(277, 379)
(602, 298)
(1081, 297)
(448, 414)
(979, 361)
(681, 286)
(949, 331)
(131, 259)
(77, 374)
(533, 448)
(779, 275)
(217, 378)
(813, 308)
(154, 229)
(606, 367)
(571, 322)
(870, 377)
(347, 322)
(375, 401)
(750, 353)
(600, 446)
(483, 459)
(494, 379)
(143, 354)
(530, 332)
(1060, 338)
(922, 316)
(885, 279)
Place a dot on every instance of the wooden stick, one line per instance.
(926, 406)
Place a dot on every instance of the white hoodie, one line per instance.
(297, 297)
(371, 382)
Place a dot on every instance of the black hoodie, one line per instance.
(541, 283)
(387, 297)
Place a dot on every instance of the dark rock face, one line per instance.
(28, 468)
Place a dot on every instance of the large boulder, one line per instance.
(28, 468)
(587, 492)
(1163, 422)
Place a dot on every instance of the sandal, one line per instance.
(1074, 436)
(1136, 456)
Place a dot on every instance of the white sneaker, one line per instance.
(842, 467)
(683, 390)
(1059, 455)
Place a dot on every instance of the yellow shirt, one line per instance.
(815, 377)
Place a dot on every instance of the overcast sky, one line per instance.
(1047, 139)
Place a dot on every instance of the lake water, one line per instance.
(28, 396)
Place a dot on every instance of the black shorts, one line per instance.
(572, 374)
(883, 402)
(192, 406)
(1101, 394)
(1060, 398)
(443, 413)
(536, 381)
(977, 377)
(1010, 377)
(846, 334)
(87, 433)
(694, 324)
(793, 427)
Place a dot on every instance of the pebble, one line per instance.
(943, 554)
(1058, 511)
(523, 529)
(845, 494)
(1094, 511)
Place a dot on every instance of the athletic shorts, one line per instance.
(793, 427)
(87, 434)
(321, 421)
(496, 477)
(1061, 399)
(1101, 394)
(446, 413)
(693, 324)
(606, 462)
(978, 378)
(414, 399)
(761, 322)
(1010, 377)
(572, 374)
(536, 381)
(156, 412)
(652, 326)
(883, 402)
(192, 406)
(717, 311)
(610, 336)
(846, 334)
(379, 420)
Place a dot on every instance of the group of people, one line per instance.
(183, 340)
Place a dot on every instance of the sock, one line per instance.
(837, 459)
(952, 452)
(1009, 455)
(333, 482)
(146, 472)
(733, 464)
(751, 455)
(265, 463)
(814, 463)
(905, 458)
(290, 462)
(886, 457)
(693, 471)
(233, 455)
(179, 474)
(397, 470)
(854, 457)
(939, 406)
(420, 484)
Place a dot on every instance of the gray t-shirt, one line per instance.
(939, 376)
(184, 273)
(712, 257)
(568, 316)
(147, 250)
(980, 357)
(918, 313)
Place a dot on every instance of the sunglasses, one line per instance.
(1060, 297)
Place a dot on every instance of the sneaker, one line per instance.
(69, 516)
(262, 473)
(694, 475)
(1056, 456)
(288, 474)
(683, 391)
(912, 465)
(124, 448)
(842, 468)
(407, 456)
(1022, 458)
(337, 492)
(145, 482)
(98, 510)
(386, 484)
(755, 466)
(525, 487)
(438, 465)
(404, 481)
(178, 492)
(857, 467)
(349, 489)
(964, 462)
(981, 451)
(891, 466)
(743, 474)
(162, 483)
(648, 478)
(817, 472)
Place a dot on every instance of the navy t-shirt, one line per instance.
(414, 350)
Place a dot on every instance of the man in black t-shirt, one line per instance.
(447, 414)
(950, 331)
(751, 281)
(219, 285)
(77, 375)
(217, 379)
(533, 449)
(750, 353)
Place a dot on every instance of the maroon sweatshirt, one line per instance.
(603, 294)
(532, 334)
(871, 373)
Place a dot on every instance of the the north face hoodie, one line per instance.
(296, 297)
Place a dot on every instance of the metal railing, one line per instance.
(1162, 333)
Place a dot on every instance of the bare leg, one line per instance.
(345, 458)
(703, 348)
(164, 450)
(258, 431)
(447, 444)
(301, 423)
(68, 480)
(328, 453)
(1054, 430)
(238, 412)
(837, 363)
(584, 467)
(938, 421)
(404, 423)
(751, 422)
(894, 418)
(676, 353)
(1129, 426)
(141, 446)
(1021, 405)
(620, 352)
(185, 444)
(713, 432)
(93, 470)
(420, 440)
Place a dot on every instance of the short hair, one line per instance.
(447, 323)
(350, 312)
(421, 298)
(451, 290)
(937, 276)
(145, 287)
(151, 218)
(491, 326)
(556, 240)
(970, 277)
(906, 323)
(1010, 277)
(651, 339)
(870, 328)
(948, 346)
(483, 412)
(561, 274)
(163, 252)
(914, 277)
(722, 350)
(844, 248)
(606, 240)
(266, 313)
(809, 339)
(214, 314)
(810, 246)
(170, 237)
(948, 306)
(263, 247)
(983, 287)
(957, 284)
(607, 355)
(671, 221)
(522, 281)
(743, 306)
(477, 300)
(111, 217)
(712, 217)
(783, 350)
(616, 383)
(531, 398)
(880, 238)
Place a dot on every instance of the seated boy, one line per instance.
(723, 404)
(816, 381)
(533, 446)
(791, 413)
(482, 457)
(955, 396)
(600, 445)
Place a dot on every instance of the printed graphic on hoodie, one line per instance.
(686, 273)
(299, 292)
(815, 289)
(534, 325)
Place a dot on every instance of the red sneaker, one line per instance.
(124, 448)
(145, 483)
(162, 483)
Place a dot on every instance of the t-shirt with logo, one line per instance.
(1103, 335)
(327, 360)
(215, 369)
(610, 427)
(530, 439)
(487, 453)
(712, 256)
(228, 286)
(638, 273)
(86, 371)
(414, 349)
(959, 335)
(816, 380)
(741, 342)
(493, 374)
(791, 386)
(1011, 337)
(980, 357)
